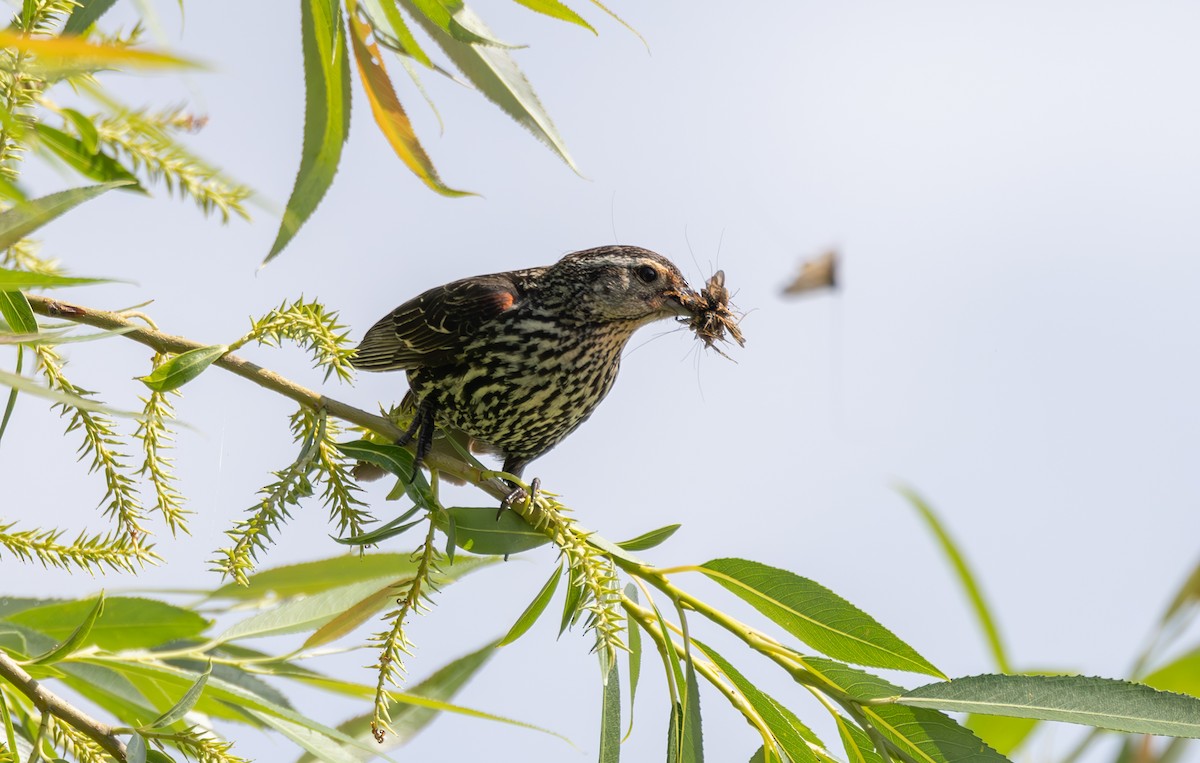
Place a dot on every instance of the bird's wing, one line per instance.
(432, 329)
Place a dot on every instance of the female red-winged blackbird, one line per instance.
(518, 360)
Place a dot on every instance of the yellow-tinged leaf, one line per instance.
(388, 113)
(80, 52)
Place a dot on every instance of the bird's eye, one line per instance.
(647, 273)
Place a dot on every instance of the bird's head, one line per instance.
(617, 283)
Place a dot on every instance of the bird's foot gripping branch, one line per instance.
(824, 645)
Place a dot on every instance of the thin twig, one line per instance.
(51, 703)
(442, 458)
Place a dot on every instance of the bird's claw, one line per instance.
(520, 496)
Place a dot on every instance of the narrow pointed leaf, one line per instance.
(86, 128)
(326, 113)
(634, 643)
(318, 745)
(17, 313)
(1101, 702)
(610, 712)
(182, 368)
(493, 70)
(157, 622)
(859, 748)
(920, 733)
(478, 530)
(788, 732)
(78, 637)
(556, 10)
(817, 616)
(27, 385)
(649, 540)
(393, 528)
(24, 219)
(691, 744)
(94, 165)
(389, 114)
(401, 36)
(184, 705)
(534, 610)
(13, 280)
(75, 52)
(308, 578)
(85, 14)
(571, 602)
(414, 710)
(965, 577)
(453, 18)
(396, 461)
(135, 751)
(308, 612)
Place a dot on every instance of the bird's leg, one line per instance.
(413, 426)
(515, 466)
(424, 420)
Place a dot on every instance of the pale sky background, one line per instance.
(1015, 188)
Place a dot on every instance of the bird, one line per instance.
(517, 360)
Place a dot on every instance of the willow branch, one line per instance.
(443, 459)
(49, 702)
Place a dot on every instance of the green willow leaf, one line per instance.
(610, 711)
(692, 737)
(396, 461)
(571, 602)
(859, 748)
(452, 18)
(309, 612)
(135, 751)
(17, 313)
(397, 30)
(184, 705)
(649, 540)
(320, 746)
(126, 622)
(97, 166)
(24, 219)
(78, 637)
(308, 578)
(556, 10)
(1101, 702)
(817, 616)
(789, 733)
(409, 718)
(478, 530)
(32, 387)
(534, 610)
(182, 368)
(88, 133)
(326, 113)
(389, 114)
(14, 280)
(965, 577)
(494, 72)
(85, 13)
(11, 403)
(634, 644)
(393, 528)
(355, 614)
(921, 733)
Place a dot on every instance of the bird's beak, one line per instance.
(680, 301)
